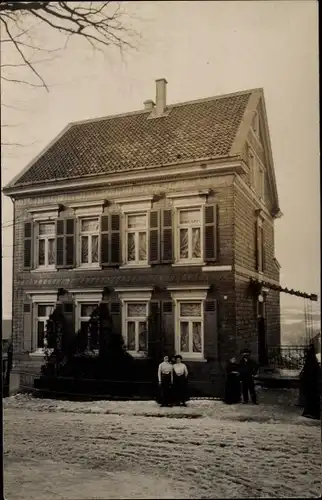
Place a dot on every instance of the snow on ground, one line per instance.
(108, 449)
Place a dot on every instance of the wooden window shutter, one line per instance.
(210, 330)
(105, 240)
(65, 242)
(167, 329)
(69, 313)
(167, 237)
(154, 237)
(70, 242)
(60, 240)
(154, 331)
(115, 241)
(263, 253)
(116, 315)
(257, 246)
(27, 327)
(210, 233)
(28, 246)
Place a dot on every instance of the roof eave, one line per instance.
(223, 165)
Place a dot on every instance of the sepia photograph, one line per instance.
(161, 260)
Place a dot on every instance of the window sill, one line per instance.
(192, 358)
(39, 353)
(43, 270)
(135, 266)
(188, 263)
(138, 355)
(86, 268)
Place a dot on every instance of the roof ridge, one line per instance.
(170, 106)
(215, 97)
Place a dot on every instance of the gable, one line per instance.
(253, 138)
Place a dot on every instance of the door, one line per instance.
(262, 333)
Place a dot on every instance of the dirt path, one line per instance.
(222, 455)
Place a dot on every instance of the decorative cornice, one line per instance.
(185, 288)
(149, 175)
(188, 194)
(44, 208)
(87, 204)
(133, 290)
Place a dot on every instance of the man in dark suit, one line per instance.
(248, 368)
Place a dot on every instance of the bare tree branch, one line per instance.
(100, 24)
(22, 55)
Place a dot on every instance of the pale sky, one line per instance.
(202, 49)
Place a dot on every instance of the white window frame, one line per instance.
(190, 320)
(140, 295)
(257, 173)
(46, 298)
(178, 226)
(190, 293)
(86, 297)
(128, 230)
(134, 205)
(86, 319)
(187, 200)
(88, 265)
(38, 237)
(45, 213)
(44, 319)
(136, 320)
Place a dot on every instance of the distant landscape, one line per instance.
(293, 328)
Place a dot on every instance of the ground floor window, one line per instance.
(85, 311)
(43, 313)
(136, 326)
(190, 326)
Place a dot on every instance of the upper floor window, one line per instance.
(257, 174)
(259, 245)
(189, 234)
(46, 244)
(136, 238)
(89, 238)
(190, 323)
(136, 324)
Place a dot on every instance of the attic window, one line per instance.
(255, 123)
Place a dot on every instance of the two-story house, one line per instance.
(167, 211)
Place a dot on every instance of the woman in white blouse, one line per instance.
(165, 378)
(180, 381)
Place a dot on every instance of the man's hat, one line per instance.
(245, 351)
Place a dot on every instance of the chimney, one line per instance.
(149, 104)
(161, 96)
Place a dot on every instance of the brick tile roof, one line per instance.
(190, 131)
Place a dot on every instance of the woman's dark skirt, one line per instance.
(180, 389)
(232, 389)
(164, 397)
